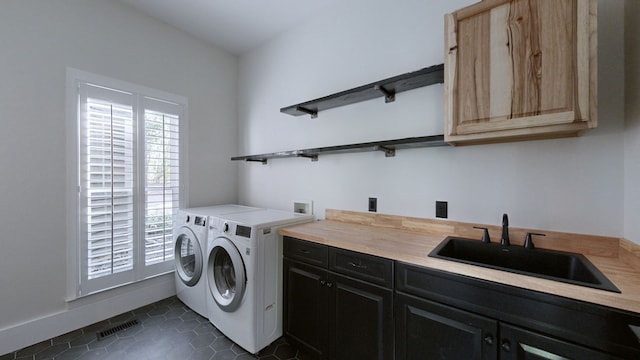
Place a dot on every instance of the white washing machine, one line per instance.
(190, 230)
(244, 275)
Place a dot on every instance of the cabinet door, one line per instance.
(428, 330)
(520, 344)
(520, 69)
(306, 306)
(361, 320)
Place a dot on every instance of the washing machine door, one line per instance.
(188, 255)
(226, 274)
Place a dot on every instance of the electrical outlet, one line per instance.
(442, 209)
(373, 204)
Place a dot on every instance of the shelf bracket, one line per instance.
(313, 157)
(314, 114)
(389, 96)
(263, 161)
(388, 152)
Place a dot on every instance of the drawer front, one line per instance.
(365, 267)
(305, 251)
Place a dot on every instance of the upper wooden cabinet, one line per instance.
(520, 70)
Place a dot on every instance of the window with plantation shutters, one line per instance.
(129, 156)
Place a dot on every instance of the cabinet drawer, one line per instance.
(305, 251)
(369, 268)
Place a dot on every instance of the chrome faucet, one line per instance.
(504, 240)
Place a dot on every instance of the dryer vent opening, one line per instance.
(105, 333)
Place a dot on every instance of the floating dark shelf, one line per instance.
(388, 147)
(387, 88)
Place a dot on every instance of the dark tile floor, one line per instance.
(166, 329)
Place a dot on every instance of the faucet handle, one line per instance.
(504, 239)
(486, 239)
(528, 242)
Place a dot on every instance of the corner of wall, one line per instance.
(631, 121)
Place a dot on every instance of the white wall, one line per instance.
(573, 185)
(567, 185)
(39, 39)
(632, 121)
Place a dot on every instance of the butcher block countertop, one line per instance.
(410, 240)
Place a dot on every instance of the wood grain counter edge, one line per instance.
(411, 239)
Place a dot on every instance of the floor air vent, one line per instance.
(103, 334)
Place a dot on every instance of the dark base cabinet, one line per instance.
(361, 320)
(306, 311)
(520, 344)
(344, 305)
(526, 324)
(428, 330)
(333, 316)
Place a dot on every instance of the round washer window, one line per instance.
(188, 258)
(224, 275)
(227, 277)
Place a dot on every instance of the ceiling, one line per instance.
(236, 26)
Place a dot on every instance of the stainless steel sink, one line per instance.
(547, 264)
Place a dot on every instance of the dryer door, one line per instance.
(188, 255)
(226, 274)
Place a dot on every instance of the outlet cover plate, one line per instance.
(442, 209)
(373, 204)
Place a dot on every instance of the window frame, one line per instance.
(77, 284)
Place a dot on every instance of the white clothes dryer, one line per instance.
(190, 232)
(244, 275)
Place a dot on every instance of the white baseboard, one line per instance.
(87, 311)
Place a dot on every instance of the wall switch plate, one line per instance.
(373, 204)
(442, 209)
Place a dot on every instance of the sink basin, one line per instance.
(548, 264)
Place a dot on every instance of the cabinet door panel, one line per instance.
(520, 344)
(520, 69)
(515, 61)
(362, 316)
(428, 330)
(306, 304)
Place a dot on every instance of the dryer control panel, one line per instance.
(200, 220)
(243, 231)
